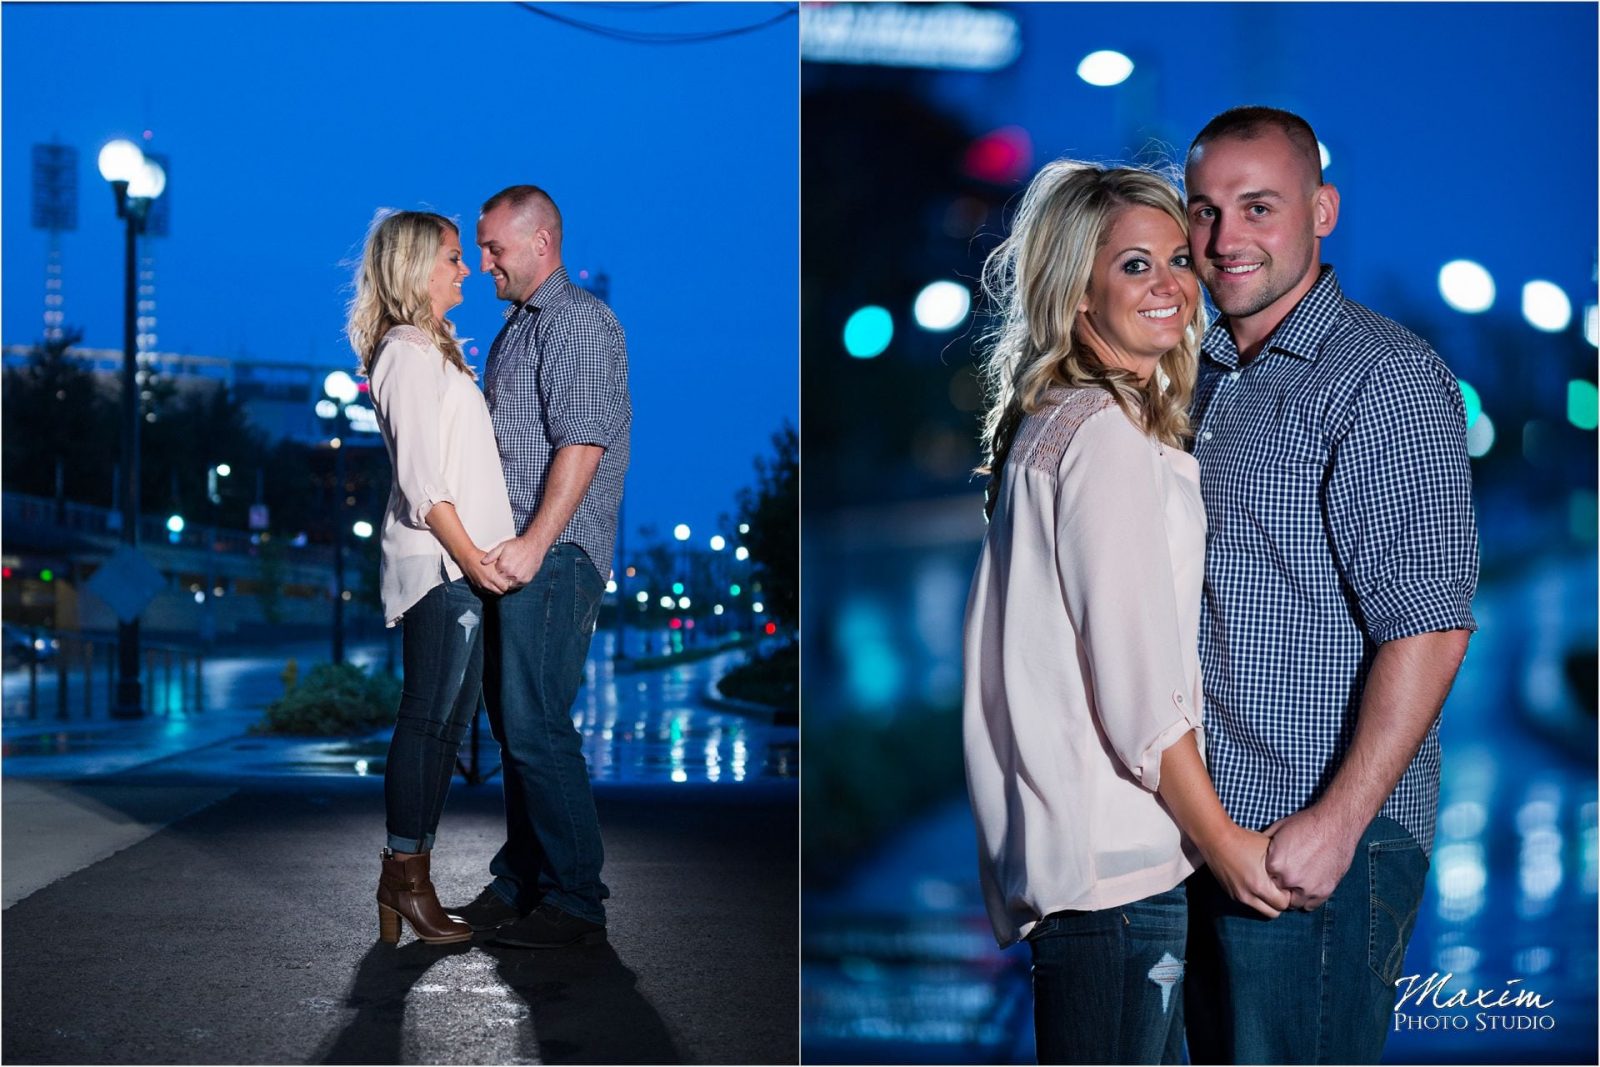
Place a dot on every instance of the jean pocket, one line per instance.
(1396, 871)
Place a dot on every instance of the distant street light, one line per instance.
(362, 529)
(681, 531)
(135, 183)
(718, 543)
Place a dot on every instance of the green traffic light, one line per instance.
(734, 590)
(47, 575)
(677, 588)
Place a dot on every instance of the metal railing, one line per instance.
(81, 678)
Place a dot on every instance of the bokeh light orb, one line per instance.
(942, 306)
(1105, 68)
(1466, 286)
(1471, 401)
(1546, 306)
(868, 332)
(1480, 438)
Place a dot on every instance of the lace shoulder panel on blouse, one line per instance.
(1043, 437)
(411, 335)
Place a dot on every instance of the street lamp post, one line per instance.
(135, 182)
(341, 390)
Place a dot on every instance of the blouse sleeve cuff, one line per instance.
(1148, 769)
(426, 500)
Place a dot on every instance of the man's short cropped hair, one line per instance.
(1248, 123)
(523, 197)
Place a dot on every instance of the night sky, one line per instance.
(288, 125)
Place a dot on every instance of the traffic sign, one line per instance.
(127, 582)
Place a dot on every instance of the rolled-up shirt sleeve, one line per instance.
(577, 379)
(406, 390)
(1116, 573)
(1399, 501)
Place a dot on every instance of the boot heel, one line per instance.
(388, 925)
(597, 937)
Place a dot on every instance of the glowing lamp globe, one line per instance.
(120, 161)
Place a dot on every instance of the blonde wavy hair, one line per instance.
(1035, 281)
(391, 285)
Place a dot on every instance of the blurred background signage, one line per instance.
(940, 37)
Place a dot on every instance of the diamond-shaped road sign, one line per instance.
(127, 582)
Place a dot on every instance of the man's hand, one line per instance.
(516, 559)
(1236, 864)
(1309, 852)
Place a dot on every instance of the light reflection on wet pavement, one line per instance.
(647, 728)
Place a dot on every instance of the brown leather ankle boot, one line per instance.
(405, 891)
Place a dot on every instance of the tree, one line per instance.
(55, 412)
(772, 509)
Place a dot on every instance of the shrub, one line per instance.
(335, 699)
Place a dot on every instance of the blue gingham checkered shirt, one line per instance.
(1339, 509)
(557, 375)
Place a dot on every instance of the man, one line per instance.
(1340, 567)
(556, 382)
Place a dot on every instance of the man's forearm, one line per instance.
(571, 471)
(1405, 690)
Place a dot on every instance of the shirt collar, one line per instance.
(547, 293)
(1301, 332)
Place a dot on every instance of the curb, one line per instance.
(713, 696)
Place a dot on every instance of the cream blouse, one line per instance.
(1082, 663)
(441, 446)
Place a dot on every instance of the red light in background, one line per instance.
(688, 624)
(5, 572)
(676, 624)
(1000, 156)
(772, 628)
(363, 387)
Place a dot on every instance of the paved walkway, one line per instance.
(178, 890)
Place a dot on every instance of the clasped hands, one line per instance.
(509, 565)
(1296, 862)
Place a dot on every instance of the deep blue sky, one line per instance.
(288, 124)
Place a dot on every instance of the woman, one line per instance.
(1082, 702)
(448, 505)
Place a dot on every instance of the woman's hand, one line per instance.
(1238, 861)
(483, 577)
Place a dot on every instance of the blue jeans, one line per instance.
(1306, 987)
(536, 641)
(442, 652)
(1108, 985)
